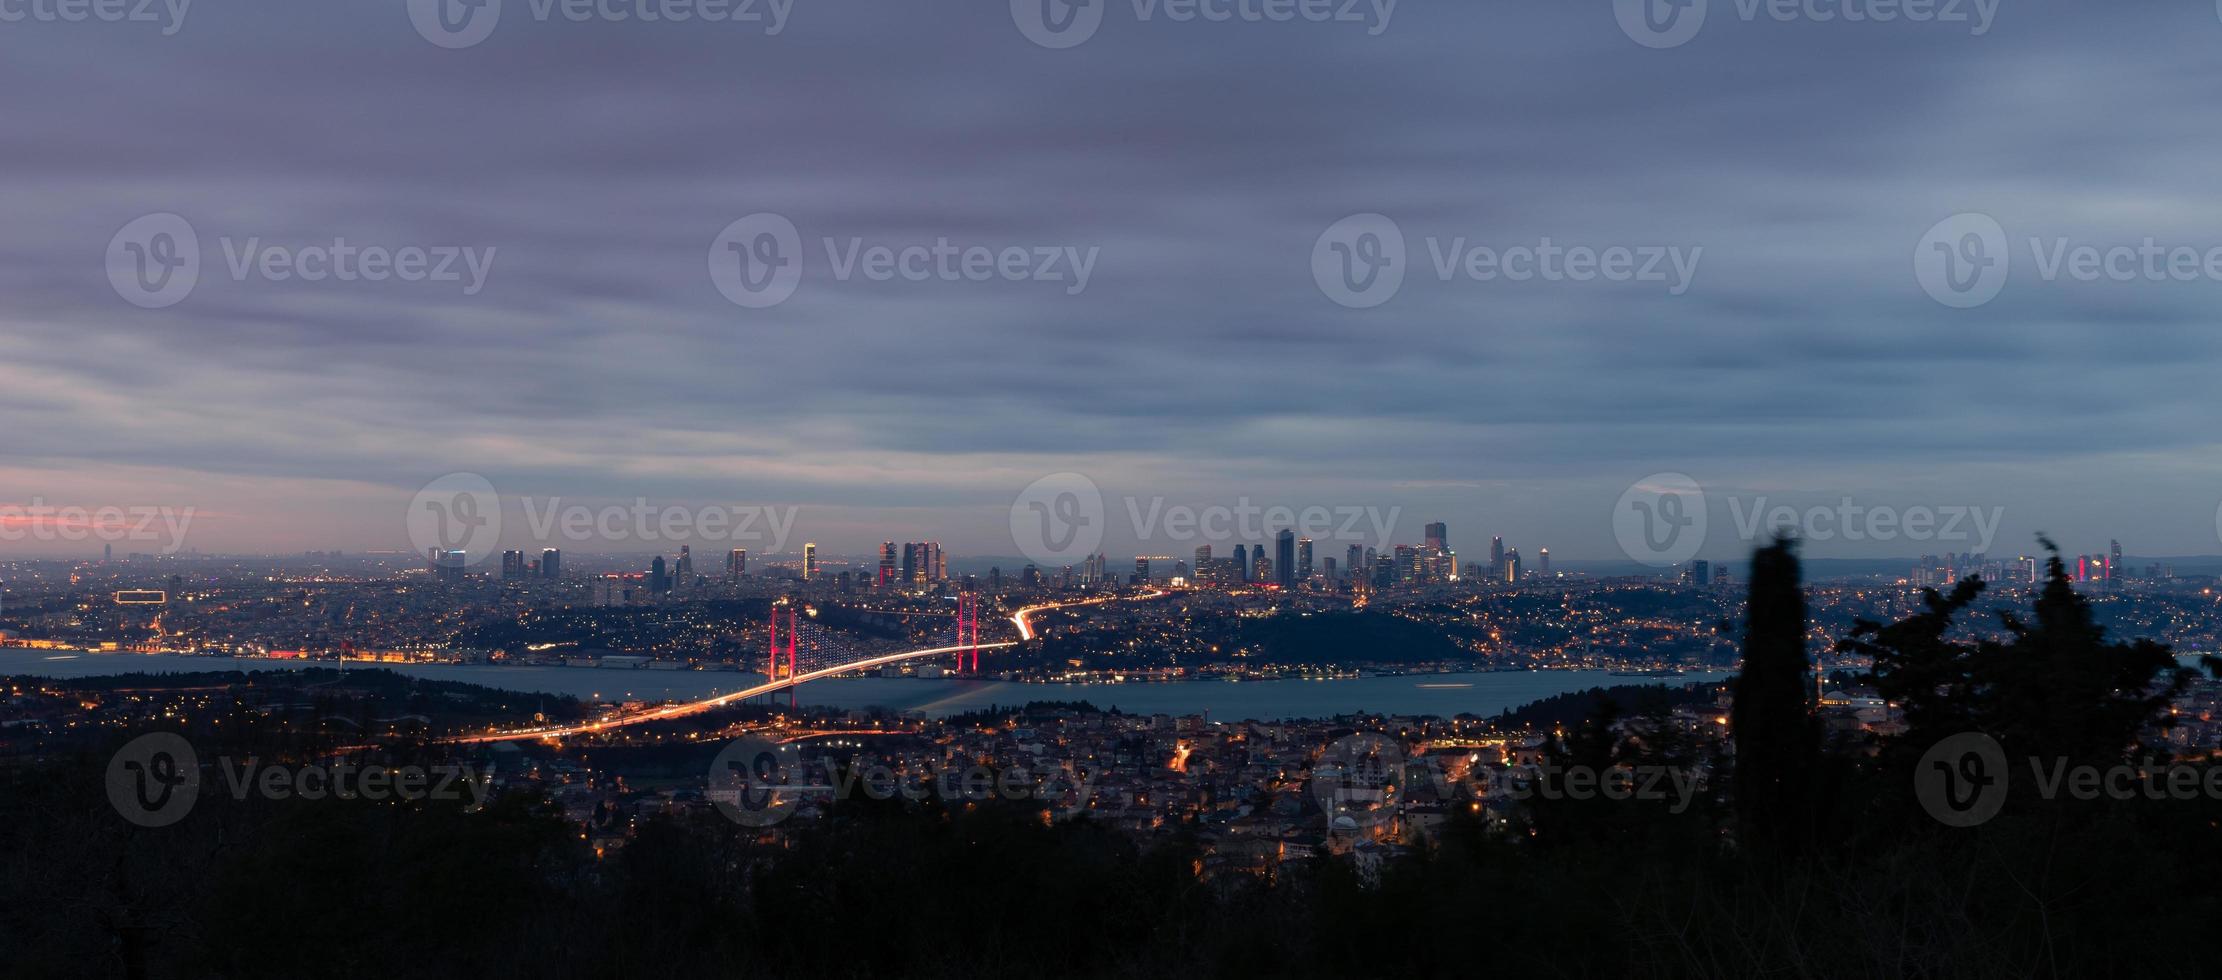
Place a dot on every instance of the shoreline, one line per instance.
(282, 663)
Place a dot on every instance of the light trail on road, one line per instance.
(671, 711)
(1026, 629)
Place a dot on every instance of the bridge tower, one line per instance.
(774, 669)
(968, 630)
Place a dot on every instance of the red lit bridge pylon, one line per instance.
(968, 631)
(778, 663)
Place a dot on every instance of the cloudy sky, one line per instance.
(1796, 166)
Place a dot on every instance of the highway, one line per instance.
(1026, 628)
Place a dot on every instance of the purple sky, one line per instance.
(1199, 164)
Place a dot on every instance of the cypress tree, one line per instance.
(1772, 722)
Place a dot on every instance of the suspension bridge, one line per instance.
(799, 652)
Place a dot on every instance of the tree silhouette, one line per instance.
(2055, 689)
(1777, 743)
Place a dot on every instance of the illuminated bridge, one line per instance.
(798, 654)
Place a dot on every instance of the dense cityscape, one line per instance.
(1073, 490)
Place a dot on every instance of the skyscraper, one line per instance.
(551, 563)
(1496, 557)
(512, 564)
(658, 581)
(1241, 563)
(1284, 559)
(809, 561)
(1354, 562)
(1203, 560)
(1438, 536)
(1142, 570)
(1543, 563)
(887, 564)
(684, 576)
(736, 564)
(1303, 559)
